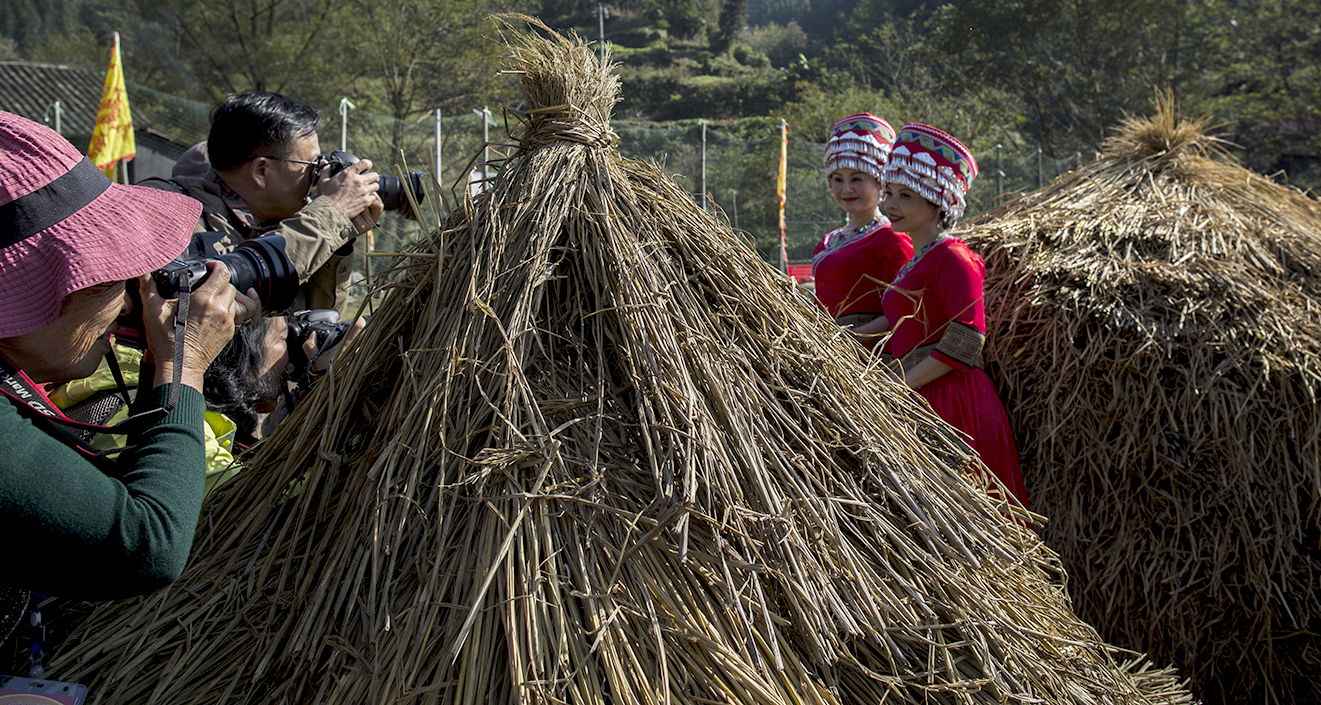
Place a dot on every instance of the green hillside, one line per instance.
(1023, 74)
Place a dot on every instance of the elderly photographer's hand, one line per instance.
(213, 310)
(354, 191)
(250, 300)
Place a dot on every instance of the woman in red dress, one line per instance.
(935, 308)
(853, 264)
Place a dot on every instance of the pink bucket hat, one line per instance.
(64, 226)
(860, 142)
(933, 164)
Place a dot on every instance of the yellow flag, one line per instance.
(112, 138)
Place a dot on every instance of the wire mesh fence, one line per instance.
(731, 176)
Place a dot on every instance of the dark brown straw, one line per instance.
(1156, 326)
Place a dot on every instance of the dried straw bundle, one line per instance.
(592, 450)
(1156, 323)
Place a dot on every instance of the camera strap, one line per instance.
(180, 329)
(22, 390)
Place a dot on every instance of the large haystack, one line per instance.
(592, 450)
(1157, 333)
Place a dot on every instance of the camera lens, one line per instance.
(255, 264)
(393, 196)
(391, 188)
(262, 265)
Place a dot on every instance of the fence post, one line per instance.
(58, 109)
(486, 144)
(704, 203)
(999, 172)
(1039, 181)
(439, 179)
(601, 14)
(344, 107)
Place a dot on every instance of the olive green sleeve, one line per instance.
(79, 528)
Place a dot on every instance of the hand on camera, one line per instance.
(213, 311)
(251, 303)
(354, 191)
(321, 363)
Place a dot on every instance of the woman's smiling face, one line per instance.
(907, 210)
(857, 192)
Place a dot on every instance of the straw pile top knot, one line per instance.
(570, 105)
(1166, 136)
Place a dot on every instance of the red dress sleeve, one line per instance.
(959, 284)
(892, 253)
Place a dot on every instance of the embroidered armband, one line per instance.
(963, 343)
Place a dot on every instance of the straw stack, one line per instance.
(592, 450)
(1157, 332)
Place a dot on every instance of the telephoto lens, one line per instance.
(258, 264)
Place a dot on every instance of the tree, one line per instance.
(1266, 83)
(733, 16)
(1077, 65)
(419, 55)
(272, 45)
(411, 57)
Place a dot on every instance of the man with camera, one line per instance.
(265, 162)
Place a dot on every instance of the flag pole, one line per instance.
(780, 191)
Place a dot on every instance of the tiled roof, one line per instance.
(28, 88)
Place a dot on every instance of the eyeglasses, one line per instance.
(316, 165)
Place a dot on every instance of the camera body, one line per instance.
(391, 188)
(259, 264)
(320, 325)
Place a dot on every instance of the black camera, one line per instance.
(391, 190)
(321, 325)
(259, 264)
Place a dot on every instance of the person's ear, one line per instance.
(258, 171)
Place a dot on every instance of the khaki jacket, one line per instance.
(318, 240)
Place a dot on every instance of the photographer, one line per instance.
(92, 528)
(247, 380)
(265, 161)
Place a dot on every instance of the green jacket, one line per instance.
(92, 529)
(217, 430)
(318, 239)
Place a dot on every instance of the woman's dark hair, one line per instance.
(946, 220)
(233, 385)
(246, 124)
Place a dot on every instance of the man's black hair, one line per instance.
(254, 124)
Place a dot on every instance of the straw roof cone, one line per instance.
(591, 449)
(1156, 331)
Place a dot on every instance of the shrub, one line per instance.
(781, 44)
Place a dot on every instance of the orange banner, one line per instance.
(112, 138)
